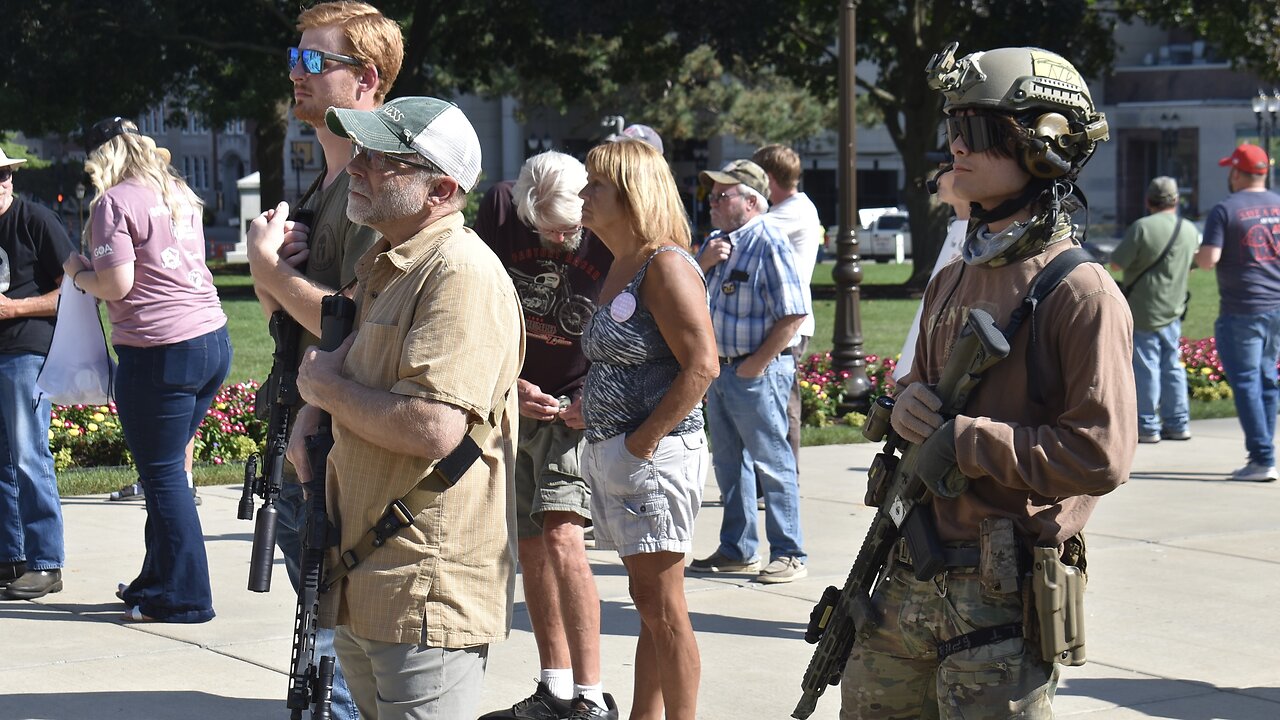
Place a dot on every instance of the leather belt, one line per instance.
(958, 556)
(731, 360)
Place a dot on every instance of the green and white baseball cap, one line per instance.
(433, 128)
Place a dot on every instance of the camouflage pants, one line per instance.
(894, 673)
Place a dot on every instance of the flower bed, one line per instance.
(90, 435)
(822, 387)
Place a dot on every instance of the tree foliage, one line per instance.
(1247, 31)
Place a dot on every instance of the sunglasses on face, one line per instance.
(379, 161)
(979, 132)
(721, 197)
(313, 60)
(5, 174)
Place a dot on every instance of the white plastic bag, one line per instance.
(78, 369)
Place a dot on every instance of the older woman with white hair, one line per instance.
(169, 332)
(534, 225)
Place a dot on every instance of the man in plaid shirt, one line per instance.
(757, 306)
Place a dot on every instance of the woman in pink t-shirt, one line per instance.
(169, 333)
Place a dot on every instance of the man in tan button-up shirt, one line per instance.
(438, 346)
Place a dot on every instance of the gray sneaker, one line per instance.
(1255, 472)
(783, 570)
(721, 563)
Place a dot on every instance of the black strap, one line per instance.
(1044, 283)
(978, 638)
(1172, 238)
(315, 184)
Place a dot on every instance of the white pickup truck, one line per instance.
(886, 238)
(884, 235)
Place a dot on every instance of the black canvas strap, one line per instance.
(1044, 283)
(979, 638)
(1169, 246)
(401, 513)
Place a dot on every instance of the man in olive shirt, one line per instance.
(414, 618)
(1155, 283)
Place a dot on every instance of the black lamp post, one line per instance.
(1265, 108)
(846, 351)
(80, 206)
(1273, 106)
(1169, 144)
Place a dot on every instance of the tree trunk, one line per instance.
(269, 155)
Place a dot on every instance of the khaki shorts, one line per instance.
(646, 506)
(548, 474)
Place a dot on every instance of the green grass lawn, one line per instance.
(885, 324)
(884, 328)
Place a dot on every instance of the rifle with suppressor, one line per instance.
(902, 497)
(311, 680)
(275, 403)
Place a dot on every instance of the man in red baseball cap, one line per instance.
(1242, 240)
(1248, 159)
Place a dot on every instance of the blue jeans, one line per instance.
(291, 507)
(30, 513)
(1249, 346)
(747, 421)
(1161, 380)
(162, 394)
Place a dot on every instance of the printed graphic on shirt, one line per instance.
(1262, 236)
(5, 277)
(553, 312)
(170, 258)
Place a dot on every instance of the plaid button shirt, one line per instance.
(754, 288)
(438, 319)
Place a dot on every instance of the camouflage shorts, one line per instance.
(895, 674)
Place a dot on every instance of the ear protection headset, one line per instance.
(1046, 150)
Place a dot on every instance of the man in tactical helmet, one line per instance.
(1047, 429)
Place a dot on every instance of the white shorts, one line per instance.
(646, 506)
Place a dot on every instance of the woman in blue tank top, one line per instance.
(653, 355)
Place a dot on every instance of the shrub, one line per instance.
(1205, 379)
(90, 435)
(822, 389)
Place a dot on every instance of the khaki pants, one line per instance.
(394, 681)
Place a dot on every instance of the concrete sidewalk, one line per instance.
(1182, 567)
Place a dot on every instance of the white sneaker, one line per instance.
(1254, 472)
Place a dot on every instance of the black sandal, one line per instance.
(132, 491)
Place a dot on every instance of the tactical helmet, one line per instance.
(1040, 89)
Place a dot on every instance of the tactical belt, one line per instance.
(964, 556)
(978, 638)
(400, 513)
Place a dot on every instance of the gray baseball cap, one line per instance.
(433, 128)
(1163, 191)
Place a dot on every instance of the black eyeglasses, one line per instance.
(313, 60)
(980, 132)
(5, 174)
(378, 160)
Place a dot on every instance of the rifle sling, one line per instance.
(400, 513)
(978, 638)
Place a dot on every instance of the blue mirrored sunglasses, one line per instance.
(313, 60)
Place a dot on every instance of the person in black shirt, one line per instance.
(33, 245)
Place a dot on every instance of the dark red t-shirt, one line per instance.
(558, 291)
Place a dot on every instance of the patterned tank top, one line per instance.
(631, 365)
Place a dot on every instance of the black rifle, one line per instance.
(275, 403)
(311, 680)
(902, 498)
